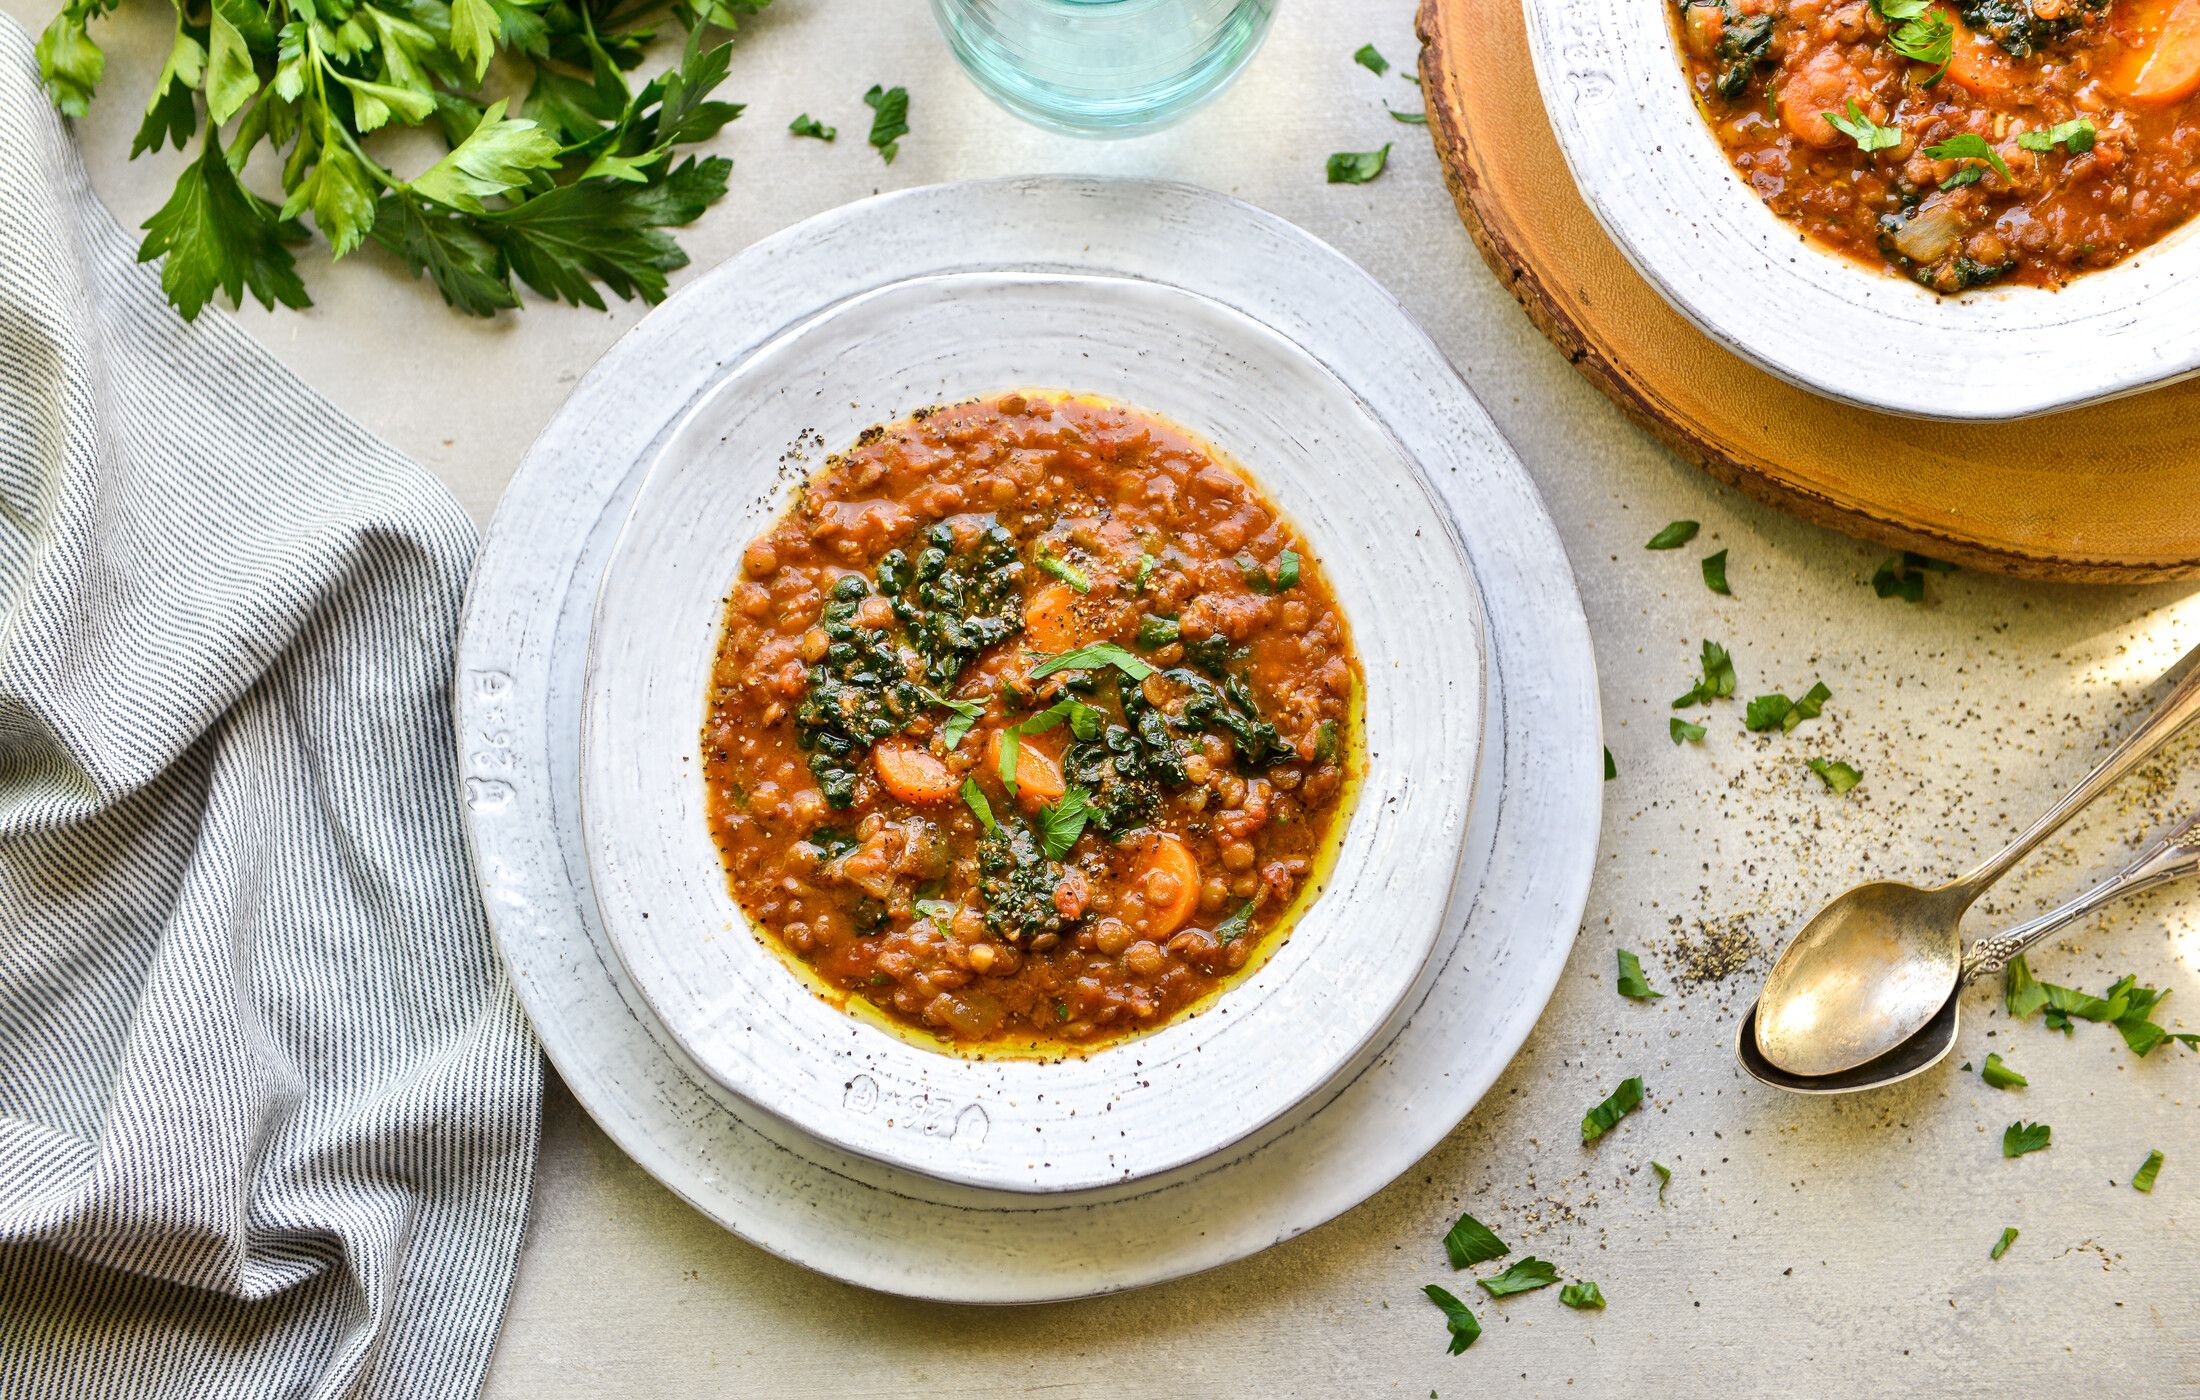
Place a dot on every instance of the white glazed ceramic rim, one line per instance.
(1181, 1093)
(1654, 176)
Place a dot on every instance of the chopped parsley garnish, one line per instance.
(1062, 823)
(979, 807)
(1156, 632)
(1358, 167)
(1835, 774)
(1230, 930)
(2001, 1246)
(2151, 1168)
(889, 119)
(1261, 581)
(1611, 769)
(2021, 1137)
(1469, 1242)
(938, 911)
(1624, 1100)
(1526, 1276)
(1903, 576)
(1776, 711)
(1464, 1328)
(1665, 1179)
(957, 728)
(1999, 1075)
(1409, 118)
(1714, 573)
(1971, 146)
(807, 125)
(1064, 570)
(1675, 535)
(1631, 981)
(1684, 732)
(1717, 680)
(1372, 61)
(1144, 571)
(2076, 136)
(1091, 657)
(1860, 128)
(1084, 722)
(2020, 994)
(1325, 741)
(2128, 1007)
(1926, 36)
(1581, 1295)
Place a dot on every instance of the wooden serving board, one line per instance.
(2105, 494)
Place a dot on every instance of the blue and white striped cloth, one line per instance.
(267, 1103)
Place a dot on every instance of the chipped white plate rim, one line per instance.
(1188, 1089)
(1530, 850)
(1650, 170)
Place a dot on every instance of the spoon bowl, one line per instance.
(1911, 1058)
(1870, 972)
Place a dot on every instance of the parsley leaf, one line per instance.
(1372, 61)
(1665, 1179)
(1062, 823)
(1714, 573)
(1860, 128)
(979, 807)
(1230, 930)
(2076, 135)
(1623, 1101)
(1526, 1276)
(1903, 576)
(1358, 167)
(1684, 732)
(1675, 535)
(2020, 1137)
(967, 713)
(2127, 1006)
(1835, 774)
(1901, 9)
(2001, 1246)
(1065, 571)
(2143, 1180)
(219, 236)
(1776, 711)
(1926, 38)
(69, 62)
(807, 125)
(1632, 984)
(1092, 657)
(1717, 679)
(1999, 1075)
(1464, 1328)
(1611, 769)
(1469, 1242)
(1409, 118)
(2020, 994)
(889, 119)
(1581, 1295)
(1968, 145)
(1261, 581)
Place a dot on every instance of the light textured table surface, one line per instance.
(1804, 1248)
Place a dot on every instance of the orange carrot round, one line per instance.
(912, 774)
(2163, 63)
(1168, 877)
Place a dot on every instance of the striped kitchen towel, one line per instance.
(267, 1102)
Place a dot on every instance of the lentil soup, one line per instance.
(1030, 726)
(1959, 142)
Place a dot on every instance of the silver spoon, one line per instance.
(1880, 963)
(2171, 858)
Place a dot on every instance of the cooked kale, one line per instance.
(1124, 770)
(955, 607)
(1744, 42)
(859, 694)
(2013, 25)
(1017, 883)
(1229, 709)
(1212, 654)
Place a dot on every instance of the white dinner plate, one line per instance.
(1530, 843)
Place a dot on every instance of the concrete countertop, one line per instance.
(1803, 1248)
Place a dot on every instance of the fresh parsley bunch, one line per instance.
(572, 194)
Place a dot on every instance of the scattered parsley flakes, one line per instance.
(1624, 1100)
(1675, 535)
(1714, 573)
(1611, 769)
(1372, 61)
(1464, 1328)
(979, 807)
(807, 125)
(2128, 1007)
(1358, 167)
(1665, 1179)
(1092, 657)
(1684, 732)
(1582, 1295)
(2021, 1137)
(1526, 1276)
(1717, 680)
(1903, 576)
(2143, 1180)
(1631, 981)
(889, 119)
(1835, 774)
(1469, 1242)
(2076, 136)
(2001, 1246)
(1868, 135)
(2000, 1076)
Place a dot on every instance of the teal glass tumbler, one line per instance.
(1102, 67)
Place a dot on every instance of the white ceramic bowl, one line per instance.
(1350, 969)
(1651, 171)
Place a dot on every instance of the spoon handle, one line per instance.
(2171, 858)
(2171, 713)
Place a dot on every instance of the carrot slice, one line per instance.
(2162, 65)
(912, 774)
(1976, 62)
(1050, 618)
(1168, 857)
(1038, 773)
